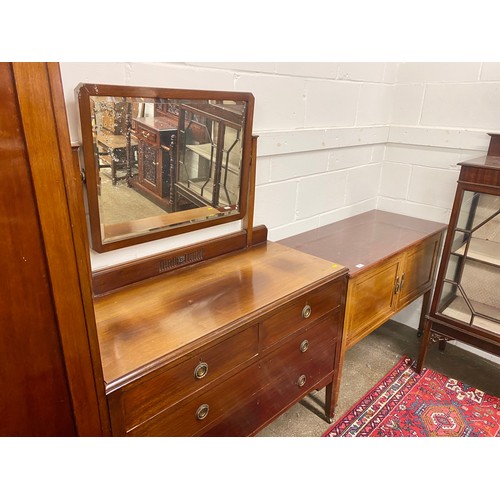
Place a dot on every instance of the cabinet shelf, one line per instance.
(202, 191)
(205, 151)
(486, 251)
(209, 159)
(459, 311)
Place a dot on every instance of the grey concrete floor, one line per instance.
(367, 362)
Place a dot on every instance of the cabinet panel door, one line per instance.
(370, 300)
(149, 167)
(419, 268)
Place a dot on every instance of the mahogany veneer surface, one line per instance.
(365, 239)
(148, 324)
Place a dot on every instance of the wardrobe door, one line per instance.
(35, 399)
(50, 372)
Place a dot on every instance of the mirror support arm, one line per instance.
(248, 220)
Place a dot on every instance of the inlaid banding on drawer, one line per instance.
(301, 313)
(142, 400)
(296, 367)
(281, 374)
(203, 409)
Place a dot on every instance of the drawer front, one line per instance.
(143, 399)
(305, 359)
(301, 313)
(288, 364)
(148, 135)
(202, 409)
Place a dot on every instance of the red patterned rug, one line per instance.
(407, 404)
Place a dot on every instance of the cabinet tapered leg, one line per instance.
(330, 402)
(423, 346)
(425, 309)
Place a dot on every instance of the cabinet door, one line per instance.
(150, 167)
(371, 300)
(419, 267)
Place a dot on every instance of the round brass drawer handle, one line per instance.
(301, 381)
(201, 370)
(202, 412)
(304, 345)
(306, 311)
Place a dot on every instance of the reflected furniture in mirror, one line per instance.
(209, 155)
(161, 162)
(466, 302)
(156, 139)
(112, 147)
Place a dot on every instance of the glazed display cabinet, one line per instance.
(466, 302)
(209, 154)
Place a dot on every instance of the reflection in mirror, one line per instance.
(162, 164)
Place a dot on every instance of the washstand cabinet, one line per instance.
(466, 302)
(392, 260)
(222, 347)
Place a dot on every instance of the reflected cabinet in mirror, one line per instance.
(160, 162)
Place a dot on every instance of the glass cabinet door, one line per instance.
(471, 288)
(210, 154)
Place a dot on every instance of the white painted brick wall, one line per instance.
(362, 183)
(289, 166)
(407, 103)
(490, 71)
(374, 104)
(434, 187)
(462, 106)
(329, 194)
(331, 103)
(439, 72)
(395, 179)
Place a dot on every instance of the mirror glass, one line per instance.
(162, 161)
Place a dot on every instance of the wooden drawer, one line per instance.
(282, 369)
(141, 400)
(185, 419)
(298, 367)
(146, 134)
(301, 313)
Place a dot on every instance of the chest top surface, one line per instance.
(160, 318)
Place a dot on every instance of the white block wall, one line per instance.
(335, 139)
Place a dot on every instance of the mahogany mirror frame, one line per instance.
(85, 91)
